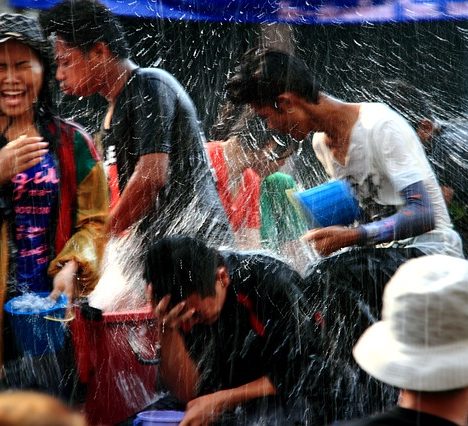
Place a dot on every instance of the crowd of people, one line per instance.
(264, 335)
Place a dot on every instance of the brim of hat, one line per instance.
(419, 368)
(35, 45)
(6, 38)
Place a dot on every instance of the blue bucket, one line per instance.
(40, 331)
(158, 418)
(332, 203)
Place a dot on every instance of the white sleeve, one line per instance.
(397, 152)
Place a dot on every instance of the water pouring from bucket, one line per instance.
(38, 322)
(332, 203)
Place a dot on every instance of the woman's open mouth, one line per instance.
(12, 97)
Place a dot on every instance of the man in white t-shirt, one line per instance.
(404, 213)
(366, 143)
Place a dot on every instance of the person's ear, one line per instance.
(100, 51)
(222, 275)
(284, 102)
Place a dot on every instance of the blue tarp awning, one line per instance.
(286, 11)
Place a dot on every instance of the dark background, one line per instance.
(349, 60)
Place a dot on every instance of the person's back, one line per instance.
(154, 113)
(421, 344)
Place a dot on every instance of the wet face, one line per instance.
(207, 309)
(21, 78)
(76, 70)
(285, 117)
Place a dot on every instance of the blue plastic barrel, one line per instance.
(38, 332)
(158, 418)
(332, 203)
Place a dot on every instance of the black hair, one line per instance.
(406, 99)
(240, 121)
(250, 130)
(83, 23)
(228, 116)
(181, 266)
(263, 74)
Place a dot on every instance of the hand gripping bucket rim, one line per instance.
(158, 418)
(332, 203)
(41, 331)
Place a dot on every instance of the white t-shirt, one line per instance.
(385, 156)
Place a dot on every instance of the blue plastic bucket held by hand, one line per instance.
(158, 418)
(332, 203)
(39, 331)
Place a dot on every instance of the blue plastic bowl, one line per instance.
(34, 333)
(158, 418)
(332, 203)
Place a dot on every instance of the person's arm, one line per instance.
(177, 370)
(207, 408)
(415, 218)
(82, 253)
(139, 196)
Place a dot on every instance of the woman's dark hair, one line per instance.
(181, 266)
(263, 74)
(83, 23)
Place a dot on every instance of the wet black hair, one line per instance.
(228, 116)
(263, 74)
(26, 30)
(181, 266)
(240, 121)
(406, 99)
(83, 23)
(251, 131)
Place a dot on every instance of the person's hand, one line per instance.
(204, 410)
(171, 319)
(332, 238)
(64, 281)
(21, 154)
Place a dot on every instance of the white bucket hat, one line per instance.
(421, 343)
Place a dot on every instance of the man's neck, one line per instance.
(339, 119)
(117, 75)
(451, 406)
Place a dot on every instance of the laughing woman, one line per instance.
(53, 194)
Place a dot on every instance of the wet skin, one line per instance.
(21, 78)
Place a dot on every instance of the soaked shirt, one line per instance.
(154, 114)
(34, 197)
(385, 157)
(262, 330)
